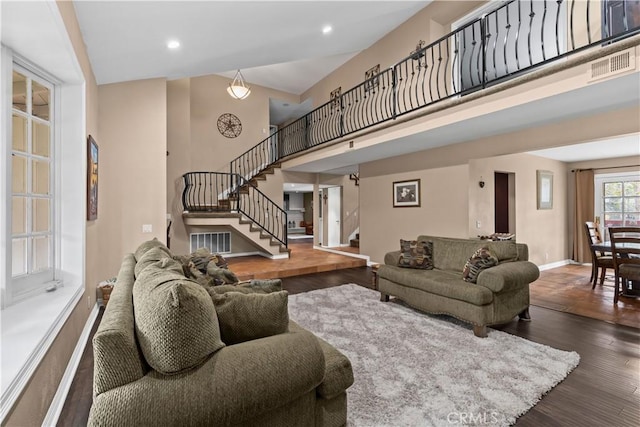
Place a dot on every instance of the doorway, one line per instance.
(505, 202)
(334, 220)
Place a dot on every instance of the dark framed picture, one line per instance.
(406, 194)
(92, 179)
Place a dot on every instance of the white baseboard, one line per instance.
(55, 409)
(365, 257)
(554, 265)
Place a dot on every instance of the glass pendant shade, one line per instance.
(238, 89)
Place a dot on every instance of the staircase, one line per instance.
(218, 198)
(355, 243)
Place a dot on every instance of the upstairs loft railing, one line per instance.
(224, 192)
(516, 37)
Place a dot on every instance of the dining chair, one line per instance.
(625, 248)
(599, 260)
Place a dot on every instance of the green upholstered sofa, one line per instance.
(289, 379)
(501, 292)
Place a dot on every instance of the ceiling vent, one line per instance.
(617, 63)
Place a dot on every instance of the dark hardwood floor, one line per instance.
(602, 391)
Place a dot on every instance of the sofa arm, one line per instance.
(238, 383)
(509, 275)
(392, 258)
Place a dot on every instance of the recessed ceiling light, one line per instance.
(327, 29)
(173, 44)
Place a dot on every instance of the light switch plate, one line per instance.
(147, 228)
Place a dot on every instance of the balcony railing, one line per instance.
(516, 37)
(209, 192)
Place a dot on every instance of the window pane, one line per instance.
(19, 174)
(41, 215)
(40, 100)
(41, 139)
(613, 220)
(19, 130)
(632, 219)
(19, 215)
(19, 91)
(632, 204)
(41, 177)
(41, 253)
(613, 189)
(612, 204)
(632, 188)
(19, 257)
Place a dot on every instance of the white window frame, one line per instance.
(33, 282)
(30, 326)
(599, 181)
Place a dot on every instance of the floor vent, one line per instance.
(217, 243)
(610, 66)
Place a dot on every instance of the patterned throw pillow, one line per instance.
(416, 254)
(480, 260)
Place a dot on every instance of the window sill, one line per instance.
(28, 330)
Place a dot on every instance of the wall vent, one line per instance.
(217, 243)
(610, 66)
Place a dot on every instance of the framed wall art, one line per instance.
(92, 179)
(406, 194)
(544, 189)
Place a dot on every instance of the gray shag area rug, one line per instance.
(414, 369)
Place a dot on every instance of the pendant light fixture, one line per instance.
(238, 89)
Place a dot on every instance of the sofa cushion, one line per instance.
(176, 322)
(481, 260)
(504, 251)
(452, 254)
(445, 283)
(151, 256)
(338, 373)
(150, 244)
(416, 254)
(244, 317)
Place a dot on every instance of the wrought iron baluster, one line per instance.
(518, 36)
(544, 21)
(438, 72)
(455, 63)
(531, 16)
(430, 74)
(589, 22)
(573, 43)
(559, 5)
(495, 44)
(446, 68)
(506, 37)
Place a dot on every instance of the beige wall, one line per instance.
(544, 231)
(32, 406)
(443, 211)
(133, 145)
(178, 157)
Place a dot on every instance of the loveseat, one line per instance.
(499, 293)
(171, 352)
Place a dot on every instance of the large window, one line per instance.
(618, 200)
(32, 189)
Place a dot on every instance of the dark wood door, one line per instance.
(501, 202)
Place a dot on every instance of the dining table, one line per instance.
(633, 286)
